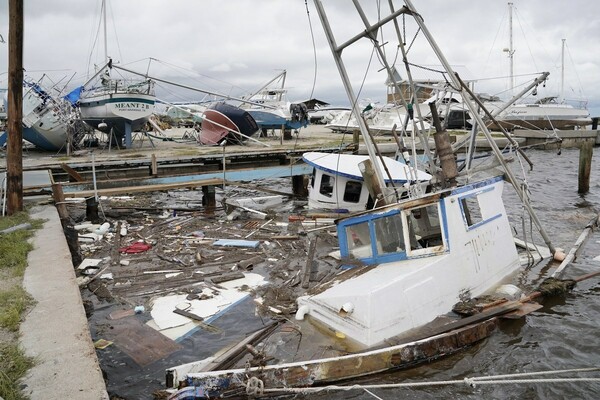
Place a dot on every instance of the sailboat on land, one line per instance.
(49, 122)
(115, 106)
(405, 263)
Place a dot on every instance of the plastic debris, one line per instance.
(237, 243)
(137, 247)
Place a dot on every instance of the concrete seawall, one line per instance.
(55, 332)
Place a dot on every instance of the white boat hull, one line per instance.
(398, 296)
(117, 109)
(542, 116)
(42, 121)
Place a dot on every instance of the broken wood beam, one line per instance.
(309, 263)
(226, 277)
(72, 173)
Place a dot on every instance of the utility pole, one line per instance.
(14, 150)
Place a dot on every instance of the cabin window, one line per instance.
(358, 237)
(389, 234)
(313, 178)
(471, 210)
(352, 191)
(424, 227)
(327, 183)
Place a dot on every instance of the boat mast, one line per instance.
(562, 73)
(475, 114)
(510, 49)
(104, 24)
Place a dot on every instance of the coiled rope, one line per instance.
(256, 386)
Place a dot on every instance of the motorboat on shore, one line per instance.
(546, 114)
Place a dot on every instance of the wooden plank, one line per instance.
(525, 309)
(309, 263)
(140, 342)
(577, 247)
(143, 189)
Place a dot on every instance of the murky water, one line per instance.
(561, 335)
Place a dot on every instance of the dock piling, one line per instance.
(586, 150)
(208, 197)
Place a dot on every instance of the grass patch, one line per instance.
(14, 246)
(13, 303)
(13, 367)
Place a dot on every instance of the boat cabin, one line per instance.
(419, 256)
(337, 183)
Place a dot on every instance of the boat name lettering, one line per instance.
(132, 106)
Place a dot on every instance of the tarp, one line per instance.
(74, 95)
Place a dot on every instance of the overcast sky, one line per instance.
(235, 46)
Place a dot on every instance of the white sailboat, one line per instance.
(49, 122)
(548, 113)
(116, 106)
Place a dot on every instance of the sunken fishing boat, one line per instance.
(404, 264)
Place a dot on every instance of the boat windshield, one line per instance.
(392, 235)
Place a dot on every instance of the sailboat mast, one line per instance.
(511, 50)
(562, 73)
(104, 26)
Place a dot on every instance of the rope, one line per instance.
(254, 387)
(469, 381)
(373, 394)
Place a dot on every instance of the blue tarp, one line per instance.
(74, 95)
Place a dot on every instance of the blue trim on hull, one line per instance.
(268, 120)
(37, 139)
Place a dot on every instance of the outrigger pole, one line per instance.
(456, 82)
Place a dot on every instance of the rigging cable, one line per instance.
(312, 36)
(529, 377)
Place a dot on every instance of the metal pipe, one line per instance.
(349, 91)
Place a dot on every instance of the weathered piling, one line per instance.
(586, 150)
(208, 197)
(355, 140)
(299, 185)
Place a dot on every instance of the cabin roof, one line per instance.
(347, 165)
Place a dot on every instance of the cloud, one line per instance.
(237, 45)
